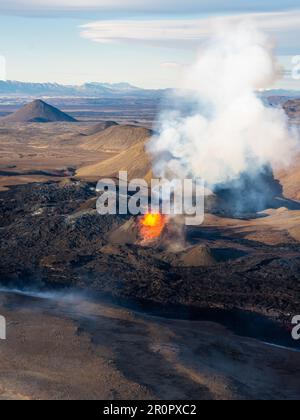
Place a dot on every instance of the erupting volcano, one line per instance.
(152, 225)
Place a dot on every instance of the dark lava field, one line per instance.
(53, 237)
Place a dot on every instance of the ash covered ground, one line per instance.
(53, 237)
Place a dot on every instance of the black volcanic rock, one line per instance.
(252, 192)
(292, 108)
(38, 112)
(52, 236)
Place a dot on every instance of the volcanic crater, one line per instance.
(232, 264)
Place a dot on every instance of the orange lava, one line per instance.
(152, 225)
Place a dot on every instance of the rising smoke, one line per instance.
(229, 133)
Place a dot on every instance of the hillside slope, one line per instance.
(116, 138)
(134, 160)
(290, 180)
(38, 112)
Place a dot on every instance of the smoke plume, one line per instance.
(229, 131)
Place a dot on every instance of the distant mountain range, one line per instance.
(97, 90)
(88, 90)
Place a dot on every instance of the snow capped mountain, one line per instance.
(89, 90)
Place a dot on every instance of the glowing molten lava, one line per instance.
(152, 225)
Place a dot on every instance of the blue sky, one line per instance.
(144, 42)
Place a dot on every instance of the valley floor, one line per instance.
(68, 347)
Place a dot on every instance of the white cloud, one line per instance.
(169, 6)
(171, 65)
(144, 30)
(175, 31)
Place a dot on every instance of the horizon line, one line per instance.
(123, 83)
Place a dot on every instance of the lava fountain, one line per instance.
(152, 225)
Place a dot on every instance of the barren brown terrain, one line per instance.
(41, 152)
(66, 346)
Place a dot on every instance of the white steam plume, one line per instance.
(230, 131)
